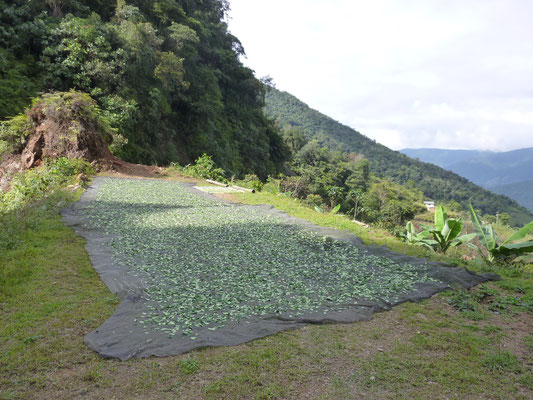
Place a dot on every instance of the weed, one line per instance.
(474, 315)
(502, 361)
(461, 301)
(40, 182)
(189, 365)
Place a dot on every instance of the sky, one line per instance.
(411, 73)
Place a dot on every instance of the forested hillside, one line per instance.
(435, 182)
(165, 74)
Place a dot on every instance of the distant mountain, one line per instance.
(443, 157)
(435, 182)
(485, 168)
(522, 192)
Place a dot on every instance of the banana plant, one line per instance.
(418, 239)
(446, 231)
(336, 209)
(507, 249)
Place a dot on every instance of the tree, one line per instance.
(57, 7)
(503, 218)
(294, 139)
(356, 196)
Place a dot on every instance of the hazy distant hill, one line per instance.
(442, 157)
(488, 169)
(436, 182)
(520, 191)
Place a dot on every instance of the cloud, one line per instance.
(416, 73)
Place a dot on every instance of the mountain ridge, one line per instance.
(487, 169)
(434, 181)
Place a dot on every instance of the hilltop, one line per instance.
(434, 181)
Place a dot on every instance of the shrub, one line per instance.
(13, 133)
(206, 168)
(272, 185)
(253, 181)
(498, 252)
(297, 185)
(313, 200)
(38, 182)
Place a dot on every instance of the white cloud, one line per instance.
(415, 73)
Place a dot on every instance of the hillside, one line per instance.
(166, 77)
(485, 168)
(435, 182)
(522, 192)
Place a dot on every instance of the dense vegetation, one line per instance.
(166, 73)
(327, 179)
(435, 182)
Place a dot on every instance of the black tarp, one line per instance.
(121, 336)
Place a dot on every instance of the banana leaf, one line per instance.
(483, 232)
(452, 228)
(464, 240)
(440, 218)
(521, 233)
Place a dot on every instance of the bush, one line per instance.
(296, 185)
(206, 168)
(313, 200)
(13, 133)
(39, 182)
(253, 181)
(272, 185)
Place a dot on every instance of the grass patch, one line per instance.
(502, 361)
(48, 290)
(189, 366)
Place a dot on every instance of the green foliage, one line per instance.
(189, 365)
(166, 75)
(503, 218)
(344, 183)
(13, 133)
(462, 301)
(446, 231)
(389, 204)
(252, 181)
(272, 185)
(412, 237)
(39, 182)
(205, 167)
(312, 200)
(18, 82)
(506, 250)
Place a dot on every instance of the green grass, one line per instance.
(51, 298)
(48, 290)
